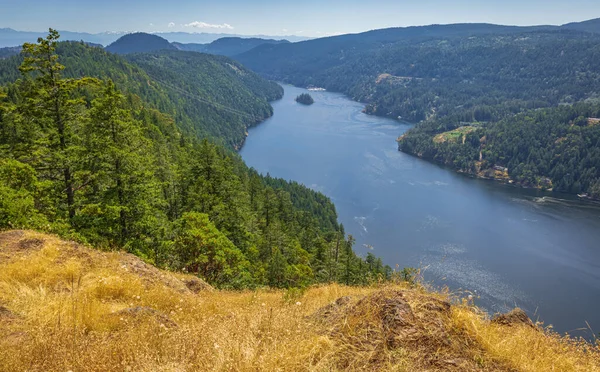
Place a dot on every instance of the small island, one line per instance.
(305, 99)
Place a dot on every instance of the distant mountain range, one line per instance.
(228, 46)
(11, 38)
(318, 55)
(140, 42)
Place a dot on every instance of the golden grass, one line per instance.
(526, 349)
(65, 307)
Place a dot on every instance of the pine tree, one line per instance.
(52, 105)
(349, 256)
(117, 171)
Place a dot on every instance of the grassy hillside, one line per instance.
(67, 307)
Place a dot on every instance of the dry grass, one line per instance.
(64, 307)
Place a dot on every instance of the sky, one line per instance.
(310, 18)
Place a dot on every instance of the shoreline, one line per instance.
(502, 181)
(505, 182)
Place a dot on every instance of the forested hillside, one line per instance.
(206, 95)
(556, 148)
(418, 80)
(9, 52)
(471, 82)
(80, 158)
(228, 46)
(212, 85)
(139, 42)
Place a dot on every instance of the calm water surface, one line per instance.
(511, 247)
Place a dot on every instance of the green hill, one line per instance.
(207, 95)
(80, 158)
(139, 42)
(228, 46)
(208, 85)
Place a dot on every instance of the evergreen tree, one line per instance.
(51, 104)
(81, 159)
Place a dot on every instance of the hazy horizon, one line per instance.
(281, 18)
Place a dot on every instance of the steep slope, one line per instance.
(420, 80)
(67, 307)
(190, 47)
(139, 42)
(290, 61)
(554, 149)
(107, 168)
(220, 99)
(212, 85)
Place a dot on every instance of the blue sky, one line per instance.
(282, 17)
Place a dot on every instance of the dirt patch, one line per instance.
(30, 244)
(5, 313)
(406, 321)
(593, 121)
(197, 285)
(7, 317)
(10, 236)
(150, 275)
(455, 135)
(332, 312)
(15, 242)
(515, 317)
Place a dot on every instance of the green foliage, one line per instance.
(426, 73)
(305, 99)
(80, 158)
(50, 103)
(491, 78)
(139, 42)
(551, 148)
(409, 275)
(204, 250)
(18, 190)
(225, 46)
(208, 96)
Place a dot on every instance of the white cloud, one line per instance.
(285, 30)
(198, 24)
(171, 24)
(151, 24)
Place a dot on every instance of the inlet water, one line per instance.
(509, 246)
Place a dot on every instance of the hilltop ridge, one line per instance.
(64, 306)
(139, 42)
